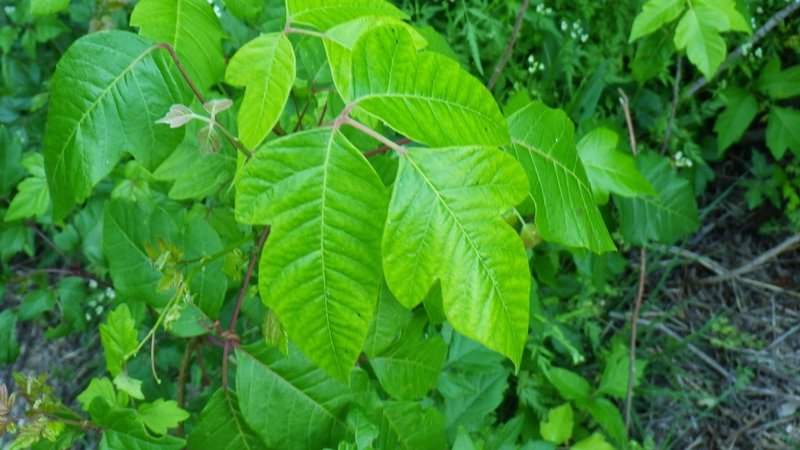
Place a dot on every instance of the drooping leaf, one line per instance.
(320, 268)
(221, 426)
(289, 402)
(10, 157)
(119, 338)
(128, 228)
(783, 131)
(178, 116)
(9, 345)
(741, 109)
(265, 67)
(559, 188)
(406, 426)
(325, 14)
(416, 93)
(162, 415)
(609, 170)
(698, 34)
(44, 7)
(655, 14)
(191, 28)
(607, 415)
(444, 223)
(98, 111)
(558, 426)
(779, 84)
(129, 385)
(664, 218)
(569, 384)
(33, 197)
(411, 368)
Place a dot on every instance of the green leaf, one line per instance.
(325, 14)
(245, 9)
(266, 67)
(609, 170)
(423, 95)
(33, 196)
(593, 442)
(123, 429)
(741, 109)
(779, 84)
(9, 346)
(162, 415)
(664, 218)
(543, 141)
(44, 7)
(558, 426)
(444, 223)
(98, 111)
(406, 426)
(607, 415)
(320, 270)
(388, 322)
(783, 131)
(569, 384)
(728, 7)
(653, 56)
(10, 157)
(209, 283)
(98, 388)
(290, 403)
(128, 227)
(698, 33)
(221, 426)
(614, 380)
(655, 14)
(35, 303)
(128, 385)
(410, 370)
(191, 28)
(119, 338)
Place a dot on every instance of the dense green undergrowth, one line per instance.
(310, 224)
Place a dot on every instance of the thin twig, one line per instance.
(787, 244)
(773, 21)
(510, 47)
(676, 96)
(182, 375)
(237, 308)
(182, 70)
(637, 304)
(386, 148)
(373, 134)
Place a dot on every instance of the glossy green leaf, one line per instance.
(406, 426)
(444, 223)
(783, 131)
(320, 270)
(558, 426)
(543, 141)
(222, 427)
(410, 369)
(388, 322)
(664, 218)
(741, 108)
(128, 228)
(569, 384)
(9, 345)
(98, 111)
(593, 442)
(609, 170)
(736, 20)
(698, 34)
(209, 283)
(119, 338)
(417, 92)
(44, 7)
(191, 28)
(123, 429)
(129, 385)
(264, 66)
(779, 84)
(324, 14)
(33, 196)
(655, 14)
(98, 388)
(162, 415)
(290, 403)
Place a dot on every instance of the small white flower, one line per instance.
(548, 11)
(530, 59)
(92, 284)
(759, 10)
(584, 37)
(759, 53)
(564, 25)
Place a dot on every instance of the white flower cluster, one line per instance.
(95, 305)
(533, 65)
(576, 31)
(680, 160)
(543, 9)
